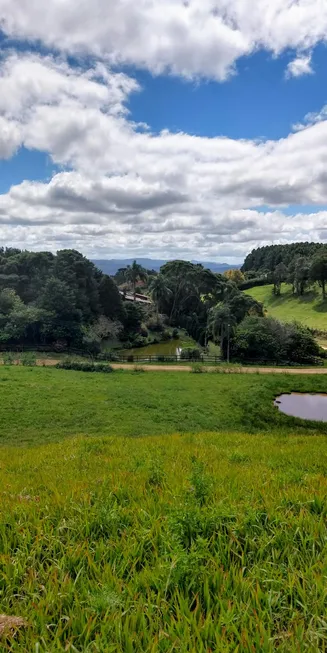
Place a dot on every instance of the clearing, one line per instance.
(310, 309)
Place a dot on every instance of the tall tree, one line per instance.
(159, 291)
(221, 322)
(301, 274)
(65, 318)
(280, 275)
(318, 271)
(82, 278)
(135, 273)
(235, 275)
(111, 303)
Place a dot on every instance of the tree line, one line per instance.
(299, 265)
(265, 259)
(63, 301)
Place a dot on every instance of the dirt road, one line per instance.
(217, 369)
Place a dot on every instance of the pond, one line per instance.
(168, 348)
(305, 406)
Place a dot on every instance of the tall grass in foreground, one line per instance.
(208, 542)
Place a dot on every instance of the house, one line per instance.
(141, 299)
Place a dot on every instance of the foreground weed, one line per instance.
(201, 481)
(160, 544)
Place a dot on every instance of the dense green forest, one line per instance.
(56, 299)
(265, 259)
(63, 301)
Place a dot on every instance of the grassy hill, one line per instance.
(310, 309)
(193, 520)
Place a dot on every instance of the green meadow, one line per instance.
(160, 512)
(310, 309)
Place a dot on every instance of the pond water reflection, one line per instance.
(168, 348)
(305, 406)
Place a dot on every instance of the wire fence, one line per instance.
(176, 359)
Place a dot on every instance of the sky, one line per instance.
(192, 129)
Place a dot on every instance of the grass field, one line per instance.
(160, 512)
(310, 309)
(40, 405)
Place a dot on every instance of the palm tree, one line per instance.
(159, 291)
(220, 322)
(135, 273)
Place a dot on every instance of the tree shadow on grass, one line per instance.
(321, 307)
(313, 297)
(307, 298)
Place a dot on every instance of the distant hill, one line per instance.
(110, 266)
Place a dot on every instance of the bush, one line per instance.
(143, 331)
(197, 368)
(139, 341)
(81, 366)
(9, 358)
(175, 334)
(138, 370)
(254, 283)
(191, 353)
(166, 335)
(28, 359)
(91, 342)
(267, 340)
(60, 346)
(155, 325)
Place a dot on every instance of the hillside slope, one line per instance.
(310, 309)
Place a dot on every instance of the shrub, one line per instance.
(265, 339)
(197, 368)
(59, 346)
(139, 341)
(191, 353)
(81, 366)
(175, 334)
(254, 283)
(28, 359)
(91, 342)
(154, 324)
(9, 358)
(161, 358)
(166, 335)
(137, 369)
(143, 331)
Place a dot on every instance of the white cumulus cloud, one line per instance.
(193, 38)
(122, 190)
(300, 66)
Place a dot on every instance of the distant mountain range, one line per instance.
(110, 266)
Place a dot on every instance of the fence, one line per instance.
(116, 357)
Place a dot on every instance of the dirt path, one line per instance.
(224, 370)
(217, 369)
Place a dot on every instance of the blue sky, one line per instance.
(194, 131)
(257, 102)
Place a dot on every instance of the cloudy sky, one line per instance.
(179, 128)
